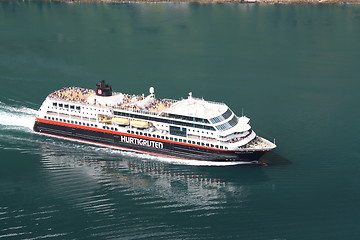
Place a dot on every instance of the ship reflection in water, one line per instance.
(102, 180)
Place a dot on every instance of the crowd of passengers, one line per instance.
(74, 94)
(128, 103)
(80, 95)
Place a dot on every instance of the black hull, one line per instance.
(143, 144)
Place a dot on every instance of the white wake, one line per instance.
(16, 117)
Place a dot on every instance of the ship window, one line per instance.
(158, 136)
(60, 105)
(207, 145)
(228, 125)
(128, 131)
(171, 138)
(72, 121)
(198, 143)
(72, 107)
(78, 108)
(56, 119)
(145, 134)
(115, 128)
(217, 146)
(54, 104)
(87, 124)
(66, 105)
(193, 142)
(222, 117)
(132, 132)
(202, 144)
(167, 138)
(221, 147)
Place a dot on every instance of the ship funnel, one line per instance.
(103, 89)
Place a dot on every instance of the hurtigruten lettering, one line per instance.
(142, 142)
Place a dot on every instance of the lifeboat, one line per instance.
(120, 121)
(104, 120)
(139, 124)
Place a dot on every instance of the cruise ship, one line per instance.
(190, 128)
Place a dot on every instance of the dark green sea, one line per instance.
(293, 69)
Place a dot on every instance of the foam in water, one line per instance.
(16, 117)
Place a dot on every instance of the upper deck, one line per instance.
(128, 102)
(193, 109)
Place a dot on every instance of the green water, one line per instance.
(293, 69)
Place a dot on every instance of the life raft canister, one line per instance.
(99, 91)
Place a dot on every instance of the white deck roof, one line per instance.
(199, 108)
(113, 100)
